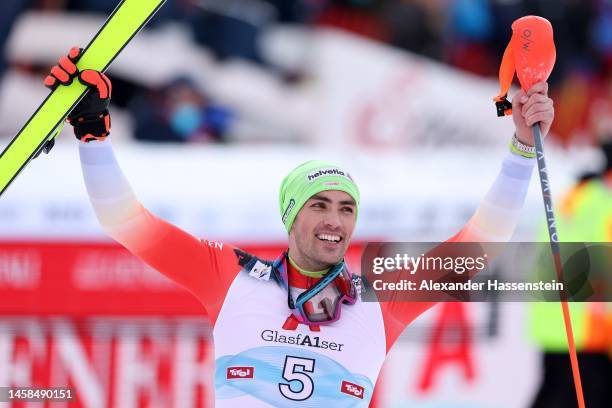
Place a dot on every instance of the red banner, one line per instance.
(110, 362)
(81, 279)
(92, 317)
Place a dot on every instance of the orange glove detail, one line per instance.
(90, 118)
(65, 70)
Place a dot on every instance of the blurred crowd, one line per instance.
(468, 34)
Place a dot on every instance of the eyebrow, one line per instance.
(327, 200)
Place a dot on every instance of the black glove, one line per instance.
(90, 118)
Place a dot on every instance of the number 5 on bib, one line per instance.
(300, 385)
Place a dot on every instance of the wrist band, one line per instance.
(522, 149)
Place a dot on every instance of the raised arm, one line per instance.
(200, 266)
(498, 213)
(203, 267)
(497, 216)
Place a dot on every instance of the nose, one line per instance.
(332, 220)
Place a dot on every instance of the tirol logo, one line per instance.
(240, 372)
(327, 172)
(352, 389)
(288, 210)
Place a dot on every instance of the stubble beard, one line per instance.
(318, 257)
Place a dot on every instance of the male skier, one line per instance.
(279, 337)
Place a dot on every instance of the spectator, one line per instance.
(471, 29)
(180, 112)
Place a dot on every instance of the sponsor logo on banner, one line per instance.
(20, 269)
(240, 373)
(103, 269)
(352, 389)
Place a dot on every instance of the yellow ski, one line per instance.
(121, 26)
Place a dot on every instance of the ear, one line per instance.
(534, 49)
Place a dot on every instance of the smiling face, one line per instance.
(322, 230)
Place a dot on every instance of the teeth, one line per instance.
(329, 237)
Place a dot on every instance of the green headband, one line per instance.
(308, 179)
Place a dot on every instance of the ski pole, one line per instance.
(556, 253)
(531, 54)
